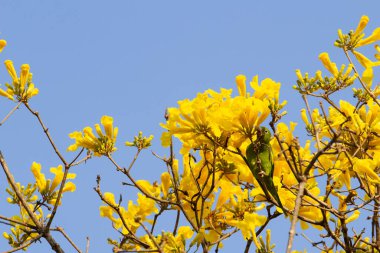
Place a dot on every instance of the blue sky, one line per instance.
(131, 60)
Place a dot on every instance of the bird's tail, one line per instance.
(272, 190)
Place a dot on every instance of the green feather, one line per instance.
(260, 161)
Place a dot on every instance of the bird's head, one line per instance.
(264, 134)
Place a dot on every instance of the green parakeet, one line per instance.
(260, 161)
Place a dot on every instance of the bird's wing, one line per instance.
(271, 160)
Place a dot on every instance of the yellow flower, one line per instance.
(304, 116)
(364, 61)
(267, 89)
(242, 87)
(48, 189)
(22, 87)
(142, 210)
(166, 182)
(377, 55)
(11, 70)
(166, 139)
(248, 225)
(362, 24)
(101, 145)
(299, 75)
(69, 187)
(367, 76)
(148, 188)
(3, 43)
(186, 232)
(58, 171)
(366, 169)
(40, 177)
(330, 66)
(375, 36)
(109, 197)
(24, 75)
(353, 217)
(140, 141)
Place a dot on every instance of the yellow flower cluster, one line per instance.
(48, 188)
(341, 78)
(20, 234)
(103, 144)
(27, 192)
(309, 208)
(140, 141)
(359, 151)
(129, 220)
(356, 39)
(216, 127)
(217, 117)
(22, 87)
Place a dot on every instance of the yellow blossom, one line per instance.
(58, 171)
(48, 188)
(3, 43)
(166, 182)
(24, 75)
(248, 225)
(377, 55)
(22, 87)
(375, 36)
(69, 187)
(364, 61)
(110, 198)
(353, 217)
(304, 116)
(330, 66)
(268, 89)
(40, 177)
(366, 169)
(101, 145)
(140, 141)
(362, 24)
(11, 70)
(242, 87)
(148, 188)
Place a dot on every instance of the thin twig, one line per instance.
(225, 236)
(375, 220)
(10, 113)
(150, 235)
(87, 244)
(59, 196)
(248, 245)
(24, 245)
(292, 230)
(176, 222)
(46, 131)
(76, 157)
(314, 244)
(117, 209)
(126, 172)
(125, 251)
(18, 222)
(18, 193)
(59, 229)
(316, 131)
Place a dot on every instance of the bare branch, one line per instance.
(10, 113)
(292, 230)
(60, 229)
